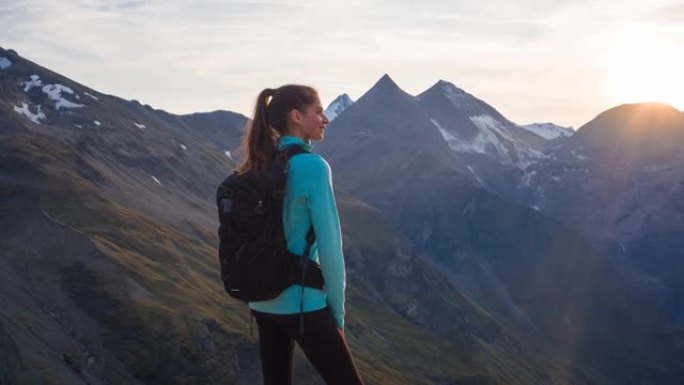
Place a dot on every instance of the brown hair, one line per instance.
(270, 122)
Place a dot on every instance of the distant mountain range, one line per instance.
(618, 181)
(478, 251)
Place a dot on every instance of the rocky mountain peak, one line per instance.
(638, 116)
(447, 89)
(338, 105)
(652, 127)
(386, 79)
(386, 87)
(343, 99)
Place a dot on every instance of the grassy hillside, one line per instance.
(152, 301)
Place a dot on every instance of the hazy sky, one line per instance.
(533, 60)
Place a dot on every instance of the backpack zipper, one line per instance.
(238, 254)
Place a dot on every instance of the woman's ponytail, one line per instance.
(260, 141)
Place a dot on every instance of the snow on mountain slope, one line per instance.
(549, 130)
(5, 63)
(338, 106)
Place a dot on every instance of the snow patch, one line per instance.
(183, 147)
(449, 137)
(33, 82)
(476, 145)
(338, 106)
(78, 126)
(578, 156)
(528, 158)
(140, 126)
(476, 176)
(480, 143)
(556, 178)
(24, 110)
(155, 179)
(54, 92)
(489, 123)
(5, 63)
(527, 178)
(452, 93)
(92, 96)
(549, 130)
(487, 137)
(494, 130)
(490, 141)
(622, 246)
(97, 122)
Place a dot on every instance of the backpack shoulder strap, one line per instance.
(291, 151)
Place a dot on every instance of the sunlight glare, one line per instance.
(646, 69)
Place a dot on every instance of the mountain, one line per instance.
(464, 133)
(647, 133)
(621, 178)
(338, 106)
(222, 128)
(549, 130)
(472, 126)
(614, 172)
(493, 149)
(108, 265)
(420, 185)
(384, 120)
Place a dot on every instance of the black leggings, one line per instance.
(322, 342)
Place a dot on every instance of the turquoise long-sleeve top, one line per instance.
(309, 200)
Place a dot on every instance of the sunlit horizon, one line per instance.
(646, 69)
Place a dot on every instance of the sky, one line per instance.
(557, 61)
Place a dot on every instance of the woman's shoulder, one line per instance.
(310, 162)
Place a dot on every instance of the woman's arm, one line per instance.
(326, 224)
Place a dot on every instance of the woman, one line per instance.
(292, 115)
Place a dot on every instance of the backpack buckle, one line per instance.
(227, 192)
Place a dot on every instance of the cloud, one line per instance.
(671, 13)
(114, 6)
(189, 56)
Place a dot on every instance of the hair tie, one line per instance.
(268, 94)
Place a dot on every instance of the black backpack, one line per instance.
(254, 260)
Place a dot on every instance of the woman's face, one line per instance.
(310, 123)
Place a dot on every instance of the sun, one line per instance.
(646, 67)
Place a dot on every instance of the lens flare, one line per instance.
(645, 68)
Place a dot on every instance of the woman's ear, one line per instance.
(296, 116)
